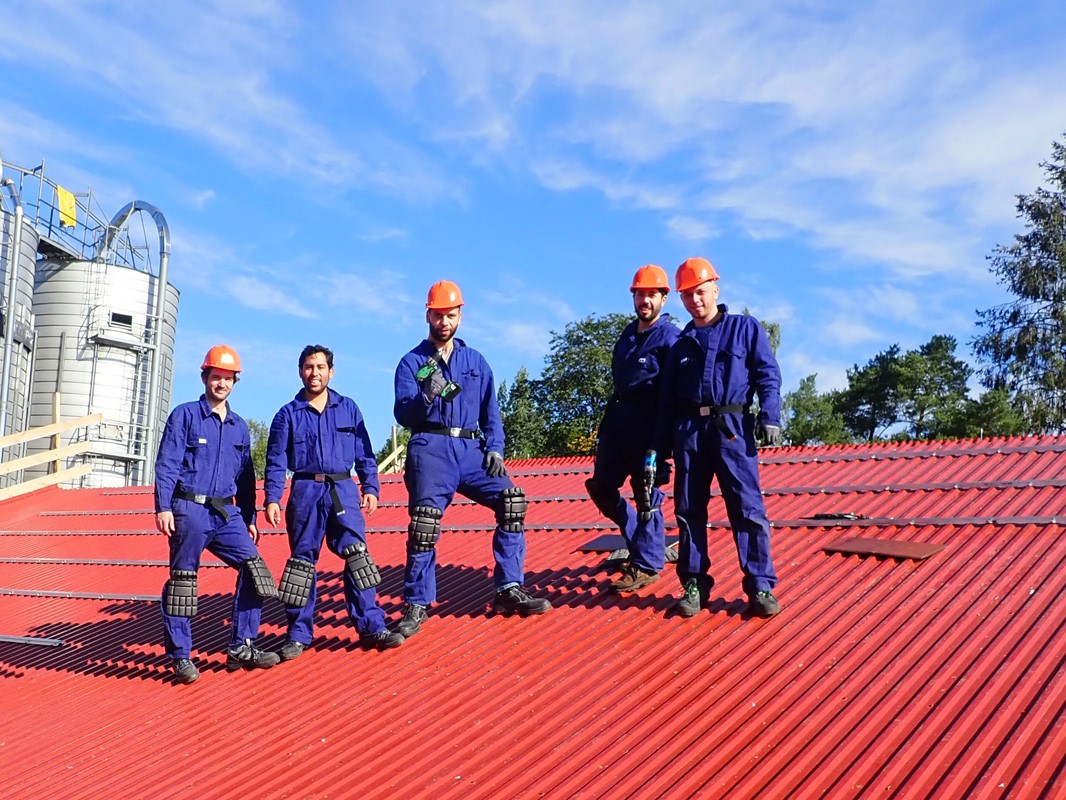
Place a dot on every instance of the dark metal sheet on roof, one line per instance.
(890, 548)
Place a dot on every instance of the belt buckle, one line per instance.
(199, 498)
(320, 478)
(705, 411)
(455, 433)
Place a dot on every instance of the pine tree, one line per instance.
(1023, 344)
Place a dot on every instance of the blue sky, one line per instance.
(846, 166)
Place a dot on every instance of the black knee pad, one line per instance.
(604, 499)
(181, 593)
(363, 570)
(261, 577)
(513, 516)
(296, 582)
(424, 529)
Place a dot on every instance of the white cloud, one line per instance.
(380, 294)
(690, 229)
(263, 295)
(514, 291)
(859, 127)
(383, 234)
(205, 264)
(798, 365)
(200, 200)
(571, 175)
(523, 338)
(220, 78)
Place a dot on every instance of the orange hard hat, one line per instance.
(651, 276)
(443, 295)
(222, 356)
(693, 272)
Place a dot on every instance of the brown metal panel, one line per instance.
(890, 548)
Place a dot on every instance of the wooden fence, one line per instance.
(53, 455)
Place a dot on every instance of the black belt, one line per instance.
(719, 412)
(456, 433)
(326, 477)
(217, 503)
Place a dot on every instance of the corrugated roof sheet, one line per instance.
(880, 678)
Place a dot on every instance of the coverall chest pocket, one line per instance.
(729, 372)
(344, 422)
(346, 438)
(647, 366)
(302, 445)
(195, 447)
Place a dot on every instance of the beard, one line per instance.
(441, 337)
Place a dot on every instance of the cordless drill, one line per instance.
(451, 388)
(649, 479)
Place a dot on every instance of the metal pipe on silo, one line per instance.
(155, 371)
(15, 256)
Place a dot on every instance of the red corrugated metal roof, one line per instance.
(880, 678)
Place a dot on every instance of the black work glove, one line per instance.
(662, 472)
(494, 464)
(770, 434)
(432, 385)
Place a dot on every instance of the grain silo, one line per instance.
(18, 255)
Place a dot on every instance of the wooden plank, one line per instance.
(889, 548)
(45, 456)
(45, 480)
(48, 430)
(387, 465)
(57, 405)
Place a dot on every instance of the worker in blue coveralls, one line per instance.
(204, 461)
(718, 365)
(625, 433)
(446, 397)
(319, 437)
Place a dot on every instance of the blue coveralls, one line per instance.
(437, 465)
(203, 454)
(626, 434)
(726, 363)
(304, 441)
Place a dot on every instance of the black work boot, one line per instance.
(248, 656)
(184, 670)
(763, 604)
(517, 601)
(697, 592)
(382, 640)
(291, 650)
(413, 617)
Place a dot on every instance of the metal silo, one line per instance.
(18, 255)
(95, 323)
